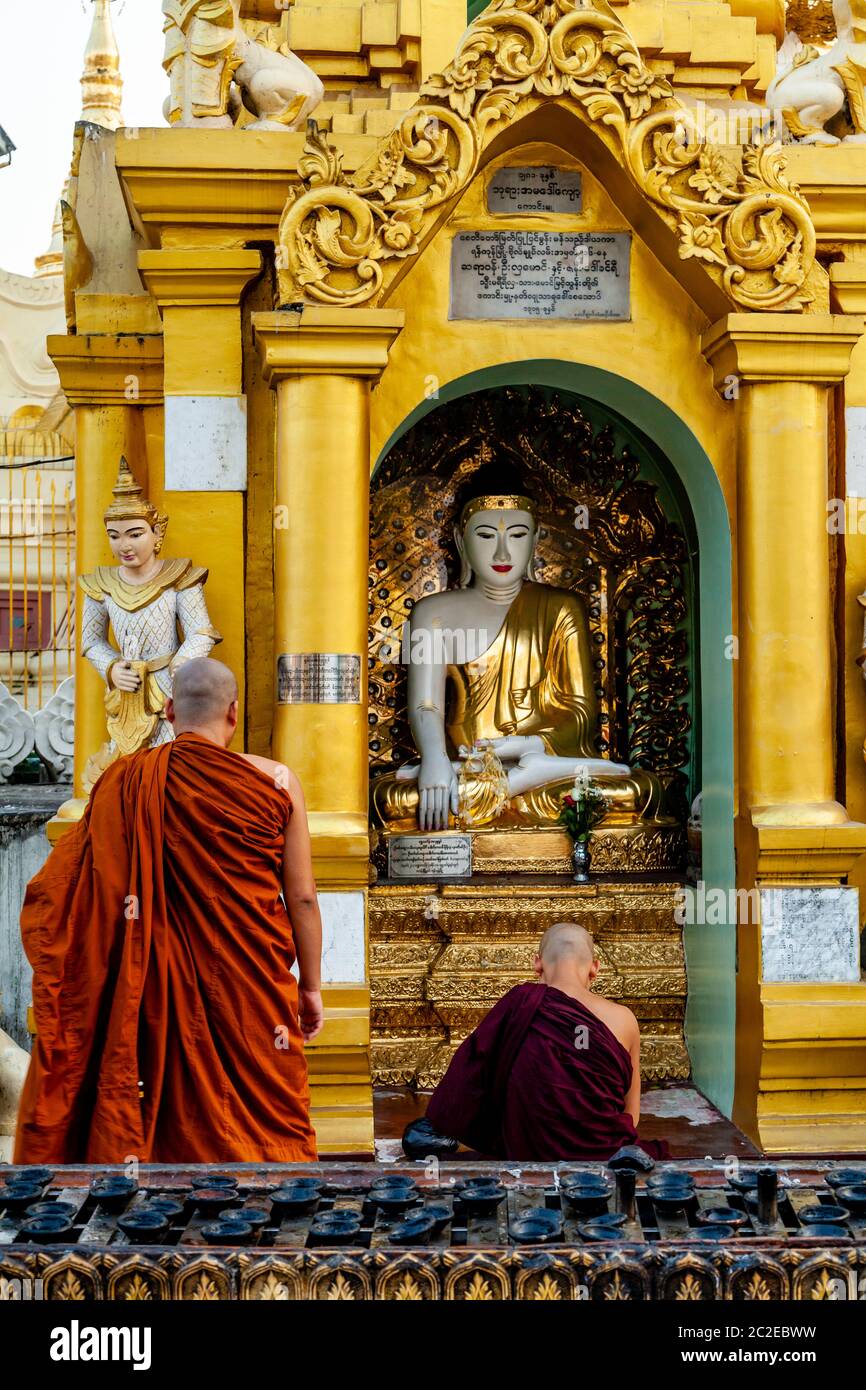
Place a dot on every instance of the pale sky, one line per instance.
(42, 43)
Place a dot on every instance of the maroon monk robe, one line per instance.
(520, 1087)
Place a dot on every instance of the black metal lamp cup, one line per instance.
(113, 1194)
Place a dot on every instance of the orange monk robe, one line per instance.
(162, 954)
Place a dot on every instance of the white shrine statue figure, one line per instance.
(508, 666)
(144, 602)
(207, 50)
(814, 90)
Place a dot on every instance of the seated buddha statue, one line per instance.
(525, 689)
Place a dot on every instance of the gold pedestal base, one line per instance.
(636, 848)
(441, 955)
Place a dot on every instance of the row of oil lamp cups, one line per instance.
(673, 1192)
(583, 1195)
(53, 1220)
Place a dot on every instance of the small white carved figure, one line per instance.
(214, 66)
(813, 91)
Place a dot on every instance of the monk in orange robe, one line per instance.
(170, 1027)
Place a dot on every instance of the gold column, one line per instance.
(199, 290)
(323, 364)
(109, 379)
(801, 1081)
(781, 369)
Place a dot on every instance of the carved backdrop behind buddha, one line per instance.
(505, 521)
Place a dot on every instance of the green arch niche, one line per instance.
(695, 490)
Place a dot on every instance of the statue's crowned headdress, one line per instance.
(494, 487)
(130, 505)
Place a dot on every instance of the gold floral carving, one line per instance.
(689, 1289)
(825, 1287)
(408, 1291)
(272, 1289)
(757, 1288)
(479, 1290)
(547, 1290)
(204, 1291)
(340, 1290)
(335, 1280)
(616, 1289)
(68, 1289)
(137, 1290)
(345, 236)
(271, 1279)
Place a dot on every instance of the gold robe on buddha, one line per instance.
(536, 678)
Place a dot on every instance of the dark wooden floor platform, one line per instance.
(675, 1111)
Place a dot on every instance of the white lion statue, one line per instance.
(814, 89)
(213, 65)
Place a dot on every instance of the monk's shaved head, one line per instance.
(566, 941)
(202, 692)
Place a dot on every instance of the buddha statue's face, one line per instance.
(133, 543)
(498, 546)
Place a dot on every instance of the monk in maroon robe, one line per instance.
(553, 1072)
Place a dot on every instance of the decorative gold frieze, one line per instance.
(543, 1278)
(688, 1279)
(345, 237)
(410, 1279)
(71, 1279)
(273, 1279)
(205, 1280)
(477, 1279)
(618, 1280)
(136, 1280)
(757, 1278)
(340, 1280)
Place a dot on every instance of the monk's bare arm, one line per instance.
(632, 1100)
(302, 904)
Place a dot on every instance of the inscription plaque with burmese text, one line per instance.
(318, 678)
(430, 856)
(535, 188)
(540, 275)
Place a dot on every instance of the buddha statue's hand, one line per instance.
(437, 791)
(531, 771)
(122, 676)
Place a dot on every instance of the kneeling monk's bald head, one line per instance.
(204, 697)
(566, 944)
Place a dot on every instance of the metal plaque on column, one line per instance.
(318, 678)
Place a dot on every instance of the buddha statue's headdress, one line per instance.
(497, 485)
(130, 505)
(494, 487)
